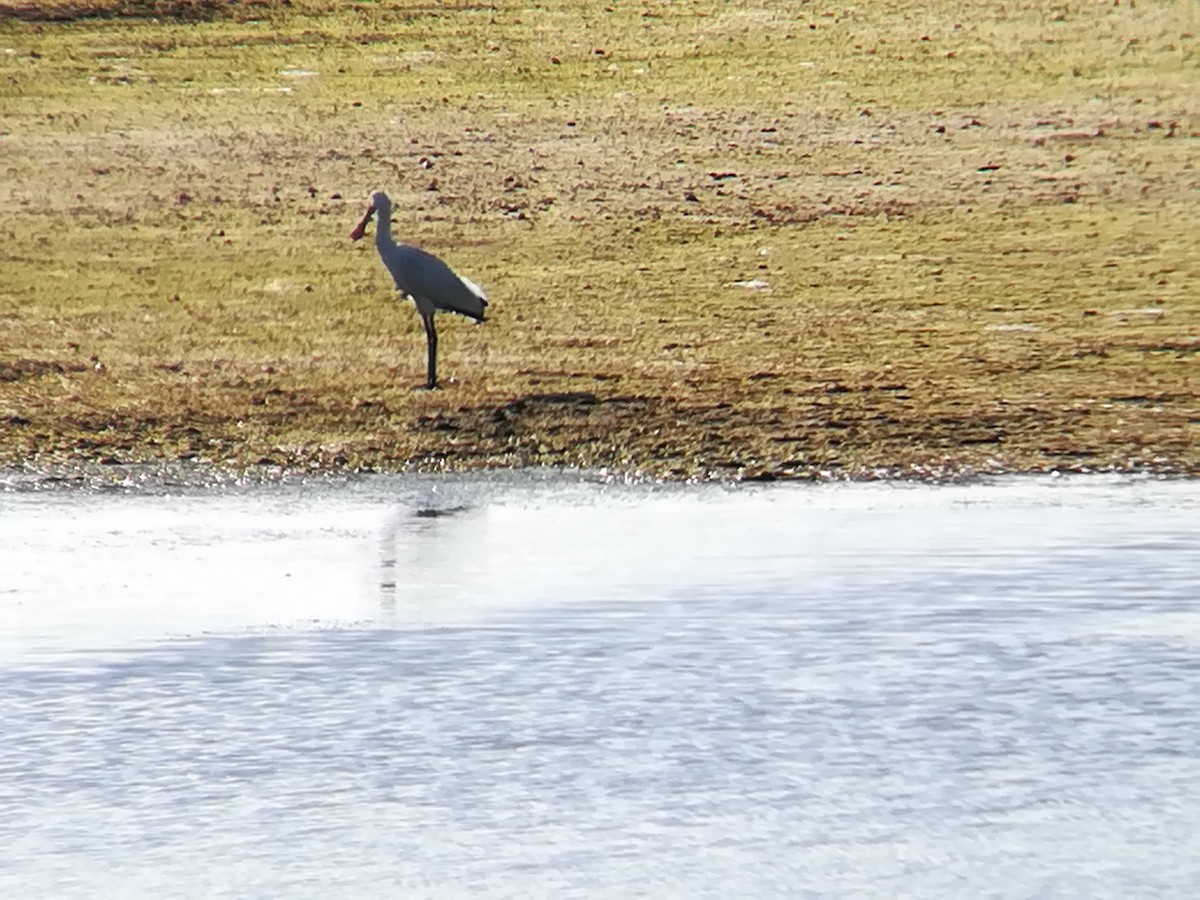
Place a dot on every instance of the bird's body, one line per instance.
(430, 283)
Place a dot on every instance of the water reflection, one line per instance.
(440, 689)
(416, 541)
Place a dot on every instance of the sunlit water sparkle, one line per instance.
(442, 687)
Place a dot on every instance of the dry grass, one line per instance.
(975, 224)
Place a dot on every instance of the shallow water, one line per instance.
(424, 687)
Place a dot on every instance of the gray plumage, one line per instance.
(426, 280)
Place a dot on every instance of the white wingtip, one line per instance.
(474, 288)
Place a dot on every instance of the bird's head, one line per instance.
(379, 203)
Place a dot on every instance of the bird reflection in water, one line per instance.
(420, 528)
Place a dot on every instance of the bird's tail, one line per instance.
(473, 306)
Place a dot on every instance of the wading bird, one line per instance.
(426, 280)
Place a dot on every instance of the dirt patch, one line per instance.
(76, 10)
(21, 369)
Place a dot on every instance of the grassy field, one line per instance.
(751, 239)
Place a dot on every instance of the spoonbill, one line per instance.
(426, 280)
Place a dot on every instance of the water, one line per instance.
(422, 687)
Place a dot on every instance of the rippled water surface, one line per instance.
(420, 687)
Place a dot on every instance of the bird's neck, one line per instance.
(383, 232)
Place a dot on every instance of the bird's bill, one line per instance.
(361, 227)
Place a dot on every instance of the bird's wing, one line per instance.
(424, 276)
(474, 288)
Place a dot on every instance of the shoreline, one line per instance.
(189, 477)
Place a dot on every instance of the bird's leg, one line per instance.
(431, 336)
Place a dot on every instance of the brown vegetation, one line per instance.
(718, 239)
